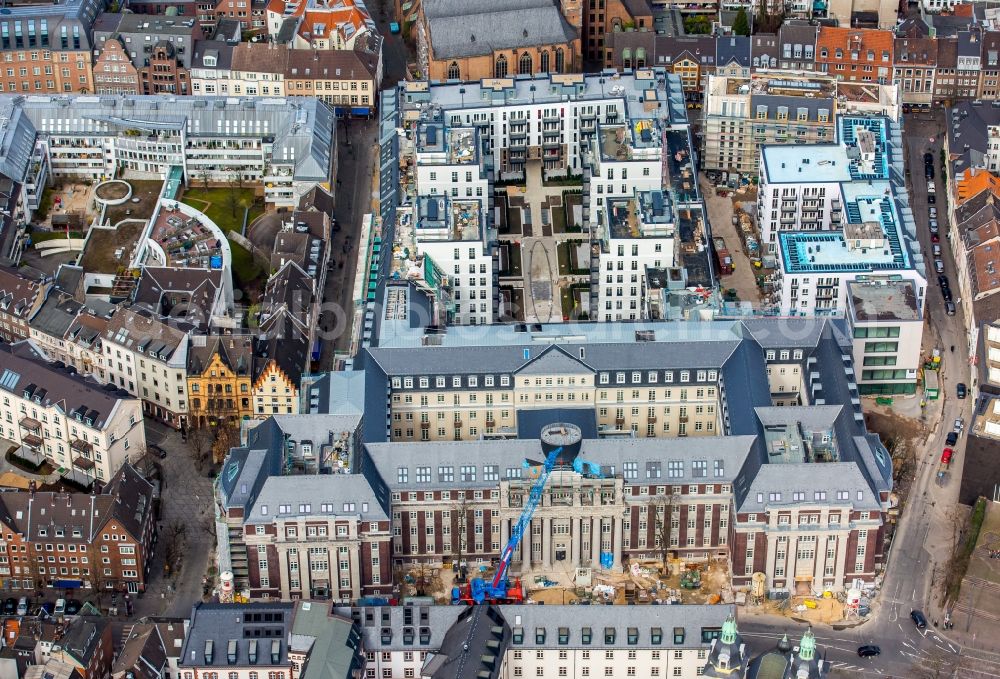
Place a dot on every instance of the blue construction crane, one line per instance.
(500, 590)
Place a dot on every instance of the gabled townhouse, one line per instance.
(220, 379)
(211, 67)
(75, 423)
(114, 72)
(855, 55)
(66, 541)
(764, 51)
(146, 355)
(20, 299)
(150, 650)
(87, 646)
(733, 56)
(969, 63)
(990, 67)
(914, 69)
(797, 46)
(251, 14)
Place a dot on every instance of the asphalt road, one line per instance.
(922, 543)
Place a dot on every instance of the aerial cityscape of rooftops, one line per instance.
(456, 339)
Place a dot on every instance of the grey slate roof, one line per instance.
(222, 622)
(830, 478)
(305, 496)
(692, 618)
(507, 456)
(23, 366)
(56, 314)
(473, 648)
(732, 48)
(463, 28)
(373, 619)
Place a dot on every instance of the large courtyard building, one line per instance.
(441, 477)
(613, 132)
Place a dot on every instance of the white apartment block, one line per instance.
(147, 357)
(286, 144)
(635, 234)
(56, 415)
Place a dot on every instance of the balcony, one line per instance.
(83, 463)
(81, 446)
(682, 419)
(425, 425)
(458, 422)
(651, 419)
(32, 441)
(620, 421)
(30, 424)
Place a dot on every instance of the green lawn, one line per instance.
(219, 203)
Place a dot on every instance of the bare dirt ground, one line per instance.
(901, 435)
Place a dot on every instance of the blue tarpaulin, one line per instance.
(607, 560)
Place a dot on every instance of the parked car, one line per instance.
(9, 606)
(930, 185)
(961, 390)
(942, 280)
(946, 295)
(936, 250)
(918, 619)
(60, 608)
(933, 226)
(73, 606)
(932, 212)
(931, 199)
(929, 172)
(935, 238)
(949, 307)
(928, 159)
(156, 450)
(869, 651)
(939, 266)
(952, 438)
(959, 425)
(22, 606)
(46, 608)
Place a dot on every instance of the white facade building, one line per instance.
(287, 144)
(148, 358)
(71, 421)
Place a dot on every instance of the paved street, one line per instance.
(922, 543)
(187, 499)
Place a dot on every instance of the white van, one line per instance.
(930, 187)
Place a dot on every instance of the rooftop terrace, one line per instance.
(658, 91)
(649, 215)
(440, 218)
(791, 443)
(789, 85)
(458, 145)
(187, 238)
(618, 141)
(883, 300)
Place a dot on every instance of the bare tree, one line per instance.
(662, 509)
(227, 435)
(233, 195)
(459, 530)
(199, 440)
(174, 541)
(204, 175)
